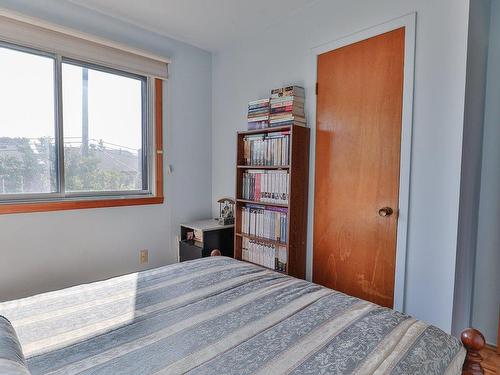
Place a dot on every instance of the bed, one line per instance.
(219, 316)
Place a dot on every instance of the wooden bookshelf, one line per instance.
(298, 170)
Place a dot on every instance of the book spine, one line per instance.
(289, 90)
(287, 117)
(257, 186)
(288, 108)
(290, 98)
(255, 125)
(258, 102)
(258, 117)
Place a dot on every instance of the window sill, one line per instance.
(17, 208)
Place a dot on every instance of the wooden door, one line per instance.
(358, 139)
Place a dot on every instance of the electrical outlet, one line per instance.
(144, 256)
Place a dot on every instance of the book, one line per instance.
(259, 118)
(286, 115)
(298, 111)
(287, 123)
(288, 91)
(254, 125)
(290, 103)
(283, 99)
(276, 121)
(281, 260)
(258, 111)
(259, 101)
(258, 106)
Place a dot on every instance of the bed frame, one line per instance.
(472, 339)
(474, 342)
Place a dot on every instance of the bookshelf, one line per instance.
(295, 207)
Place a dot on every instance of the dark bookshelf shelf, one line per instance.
(278, 167)
(260, 239)
(267, 268)
(262, 203)
(266, 130)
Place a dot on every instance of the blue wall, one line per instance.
(46, 251)
(475, 89)
(281, 55)
(486, 301)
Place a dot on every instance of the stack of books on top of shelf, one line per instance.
(287, 106)
(270, 256)
(258, 114)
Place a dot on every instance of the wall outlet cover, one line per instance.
(144, 256)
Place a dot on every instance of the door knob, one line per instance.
(385, 211)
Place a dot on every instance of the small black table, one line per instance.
(212, 235)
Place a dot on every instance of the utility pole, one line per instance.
(85, 112)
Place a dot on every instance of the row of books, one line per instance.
(270, 256)
(287, 106)
(284, 107)
(271, 149)
(265, 222)
(258, 114)
(266, 186)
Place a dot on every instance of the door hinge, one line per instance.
(316, 88)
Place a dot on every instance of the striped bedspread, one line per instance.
(220, 316)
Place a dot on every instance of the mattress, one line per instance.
(219, 316)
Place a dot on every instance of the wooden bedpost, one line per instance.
(215, 253)
(473, 341)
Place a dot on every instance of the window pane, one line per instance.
(27, 128)
(102, 117)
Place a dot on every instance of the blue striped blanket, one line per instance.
(220, 316)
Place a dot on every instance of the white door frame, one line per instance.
(409, 23)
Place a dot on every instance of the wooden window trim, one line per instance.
(159, 137)
(61, 205)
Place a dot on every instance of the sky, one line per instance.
(27, 101)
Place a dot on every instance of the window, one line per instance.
(27, 117)
(103, 130)
(74, 131)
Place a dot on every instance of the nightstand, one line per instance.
(199, 238)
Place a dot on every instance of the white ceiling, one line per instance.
(208, 24)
